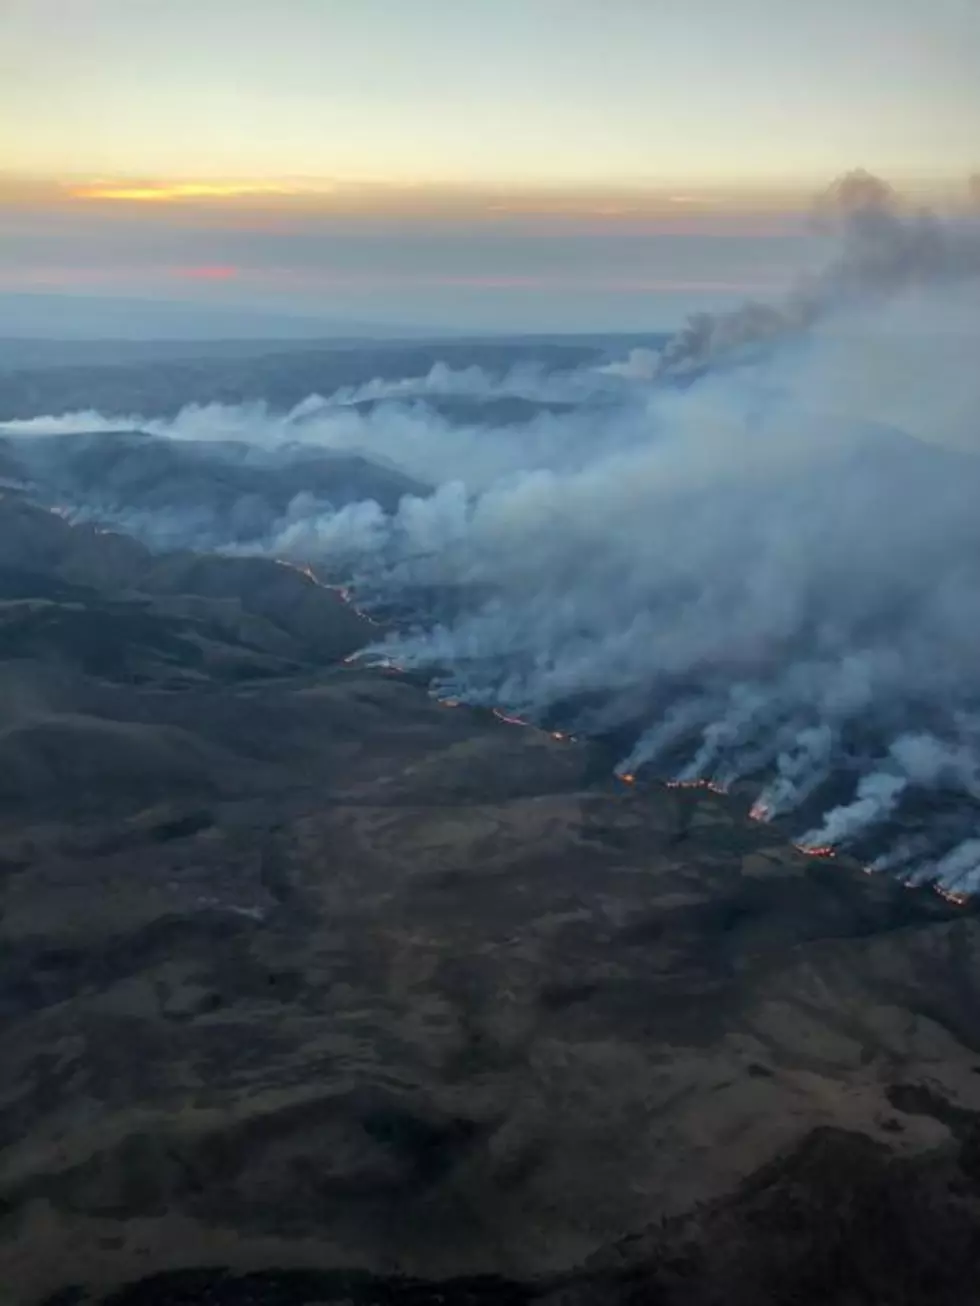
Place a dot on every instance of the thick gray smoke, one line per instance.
(770, 572)
(920, 760)
(885, 249)
(960, 869)
(877, 797)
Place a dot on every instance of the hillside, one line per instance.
(311, 983)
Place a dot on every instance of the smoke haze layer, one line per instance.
(754, 555)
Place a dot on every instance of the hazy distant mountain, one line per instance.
(224, 486)
(98, 317)
(281, 373)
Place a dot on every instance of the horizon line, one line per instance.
(628, 198)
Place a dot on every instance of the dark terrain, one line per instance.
(225, 490)
(315, 989)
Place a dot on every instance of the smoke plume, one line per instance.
(885, 249)
(766, 573)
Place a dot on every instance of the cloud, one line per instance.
(175, 192)
(208, 272)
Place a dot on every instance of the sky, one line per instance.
(467, 163)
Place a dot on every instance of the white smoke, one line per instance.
(877, 797)
(76, 423)
(768, 571)
(345, 536)
(921, 760)
(800, 769)
(392, 422)
(904, 853)
(524, 381)
(960, 869)
(639, 365)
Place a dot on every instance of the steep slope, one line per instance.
(211, 489)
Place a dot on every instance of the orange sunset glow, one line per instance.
(173, 192)
(521, 165)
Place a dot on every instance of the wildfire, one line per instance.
(380, 664)
(816, 850)
(955, 896)
(711, 785)
(343, 592)
(760, 811)
(509, 720)
(310, 575)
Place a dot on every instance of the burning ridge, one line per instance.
(766, 576)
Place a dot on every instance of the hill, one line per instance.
(314, 988)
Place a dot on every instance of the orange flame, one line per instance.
(509, 720)
(711, 785)
(955, 896)
(342, 591)
(627, 777)
(304, 570)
